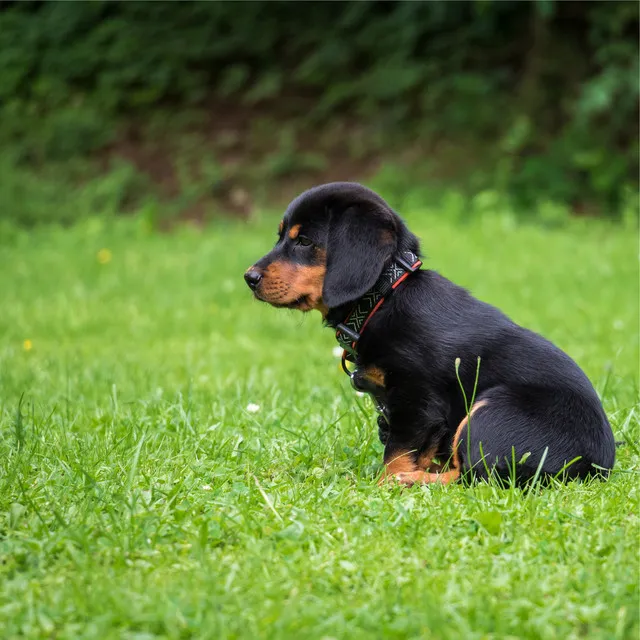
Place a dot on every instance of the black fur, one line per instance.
(541, 410)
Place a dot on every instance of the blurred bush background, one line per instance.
(185, 110)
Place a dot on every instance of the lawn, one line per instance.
(178, 460)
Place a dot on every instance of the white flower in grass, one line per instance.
(206, 487)
(253, 408)
(337, 352)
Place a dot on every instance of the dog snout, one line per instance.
(252, 277)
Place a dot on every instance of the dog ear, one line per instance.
(360, 241)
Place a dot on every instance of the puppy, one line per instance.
(460, 387)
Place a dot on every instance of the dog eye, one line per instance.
(305, 242)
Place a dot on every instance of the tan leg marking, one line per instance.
(422, 477)
(458, 433)
(412, 476)
(398, 462)
(425, 461)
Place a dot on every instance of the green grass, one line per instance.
(139, 498)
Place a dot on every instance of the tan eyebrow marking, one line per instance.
(294, 231)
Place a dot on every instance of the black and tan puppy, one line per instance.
(342, 250)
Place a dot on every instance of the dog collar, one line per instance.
(348, 332)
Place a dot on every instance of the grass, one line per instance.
(142, 496)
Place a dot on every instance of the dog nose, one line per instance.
(252, 278)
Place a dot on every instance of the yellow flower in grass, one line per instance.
(104, 256)
(28, 345)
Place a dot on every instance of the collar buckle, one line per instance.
(407, 266)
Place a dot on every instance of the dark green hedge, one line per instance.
(551, 86)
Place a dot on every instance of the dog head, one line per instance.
(333, 243)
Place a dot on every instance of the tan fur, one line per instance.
(374, 375)
(404, 474)
(422, 477)
(425, 461)
(458, 433)
(285, 282)
(294, 232)
(398, 462)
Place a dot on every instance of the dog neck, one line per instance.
(351, 319)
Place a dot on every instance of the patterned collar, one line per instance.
(348, 332)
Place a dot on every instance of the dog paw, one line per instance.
(408, 478)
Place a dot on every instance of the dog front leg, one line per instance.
(412, 441)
